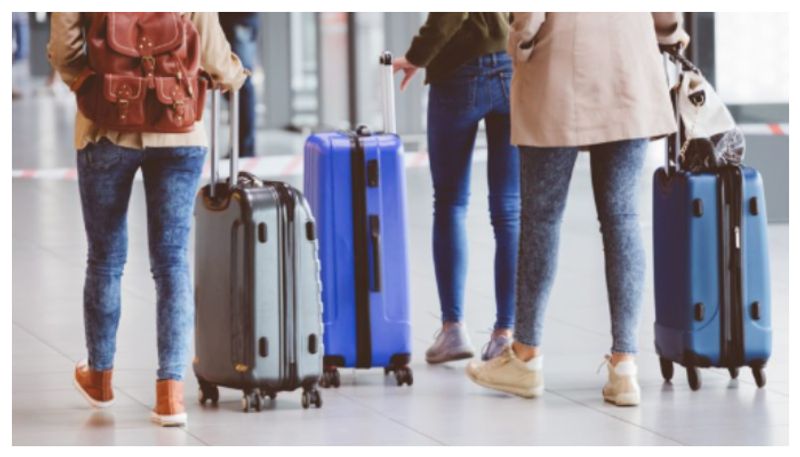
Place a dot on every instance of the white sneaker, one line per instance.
(622, 388)
(507, 373)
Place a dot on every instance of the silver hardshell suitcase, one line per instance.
(257, 290)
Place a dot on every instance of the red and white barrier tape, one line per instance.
(276, 166)
(292, 165)
(765, 129)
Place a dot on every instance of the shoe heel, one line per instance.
(628, 399)
(538, 391)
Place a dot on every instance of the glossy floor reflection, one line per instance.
(442, 407)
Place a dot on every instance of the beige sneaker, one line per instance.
(507, 373)
(622, 388)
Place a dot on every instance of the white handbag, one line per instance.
(710, 136)
(702, 111)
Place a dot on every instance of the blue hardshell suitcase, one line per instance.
(355, 185)
(712, 283)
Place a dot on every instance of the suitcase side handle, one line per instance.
(234, 139)
(375, 239)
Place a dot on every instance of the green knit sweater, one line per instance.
(447, 40)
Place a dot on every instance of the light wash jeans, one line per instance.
(105, 175)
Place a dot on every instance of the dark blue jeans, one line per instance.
(105, 176)
(241, 29)
(546, 174)
(479, 90)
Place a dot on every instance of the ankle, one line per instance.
(525, 352)
(618, 357)
(447, 325)
(502, 332)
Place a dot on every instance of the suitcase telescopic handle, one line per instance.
(234, 139)
(670, 54)
(673, 53)
(387, 89)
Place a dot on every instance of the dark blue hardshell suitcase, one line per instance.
(355, 185)
(712, 286)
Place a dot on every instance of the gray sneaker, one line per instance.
(451, 344)
(495, 346)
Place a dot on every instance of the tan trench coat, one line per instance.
(589, 78)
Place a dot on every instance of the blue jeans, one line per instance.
(105, 176)
(478, 90)
(546, 174)
(241, 30)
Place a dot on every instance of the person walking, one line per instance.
(591, 81)
(170, 163)
(469, 75)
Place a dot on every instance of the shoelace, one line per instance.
(606, 361)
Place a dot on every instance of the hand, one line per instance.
(682, 39)
(401, 63)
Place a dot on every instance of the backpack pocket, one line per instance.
(122, 104)
(180, 107)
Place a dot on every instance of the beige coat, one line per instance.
(589, 78)
(67, 55)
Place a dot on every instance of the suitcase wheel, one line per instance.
(404, 375)
(693, 375)
(734, 371)
(311, 396)
(667, 368)
(252, 400)
(268, 393)
(759, 375)
(207, 392)
(330, 377)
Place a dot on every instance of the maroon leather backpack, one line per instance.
(144, 73)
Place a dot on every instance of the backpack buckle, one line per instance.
(122, 108)
(148, 63)
(179, 108)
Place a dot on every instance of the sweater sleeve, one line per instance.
(65, 50)
(433, 35)
(217, 58)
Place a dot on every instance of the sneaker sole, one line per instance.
(451, 358)
(524, 393)
(623, 399)
(94, 403)
(171, 420)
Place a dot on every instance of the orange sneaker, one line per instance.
(95, 386)
(169, 410)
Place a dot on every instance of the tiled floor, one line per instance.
(442, 407)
